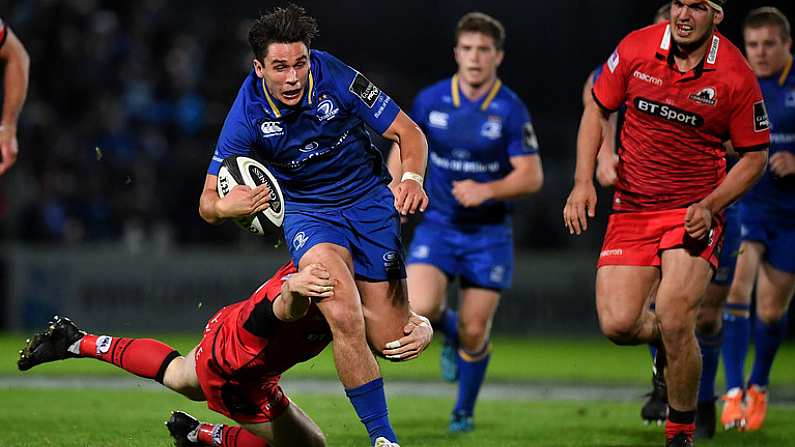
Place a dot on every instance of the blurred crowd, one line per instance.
(124, 104)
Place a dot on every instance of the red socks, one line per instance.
(141, 356)
(227, 436)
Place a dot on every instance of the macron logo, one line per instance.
(647, 78)
(611, 252)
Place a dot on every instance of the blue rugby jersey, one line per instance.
(319, 151)
(774, 196)
(470, 140)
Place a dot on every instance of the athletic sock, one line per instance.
(449, 325)
(767, 339)
(220, 435)
(736, 337)
(678, 422)
(471, 373)
(369, 402)
(143, 357)
(710, 354)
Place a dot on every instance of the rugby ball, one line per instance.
(247, 171)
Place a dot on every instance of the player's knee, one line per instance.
(769, 314)
(676, 330)
(709, 322)
(621, 331)
(472, 335)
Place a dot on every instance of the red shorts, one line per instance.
(640, 238)
(219, 358)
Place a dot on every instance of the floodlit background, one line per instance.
(99, 221)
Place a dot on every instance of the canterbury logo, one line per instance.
(271, 128)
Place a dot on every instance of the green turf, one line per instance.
(531, 359)
(67, 418)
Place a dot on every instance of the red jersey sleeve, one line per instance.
(749, 128)
(610, 90)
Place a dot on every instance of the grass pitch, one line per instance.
(132, 417)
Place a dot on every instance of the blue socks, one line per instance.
(736, 337)
(710, 354)
(369, 402)
(471, 373)
(449, 325)
(767, 339)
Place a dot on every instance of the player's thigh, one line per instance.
(292, 428)
(749, 258)
(683, 283)
(386, 310)
(774, 289)
(475, 315)
(181, 377)
(622, 293)
(344, 308)
(427, 288)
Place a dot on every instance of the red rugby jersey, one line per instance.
(255, 344)
(671, 152)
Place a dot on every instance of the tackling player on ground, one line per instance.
(16, 71)
(766, 213)
(687, 89)
(236, 367)
(483, 152)
(304, 113)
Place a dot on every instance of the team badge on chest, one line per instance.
(790, 101)
(326, 110)
(706, 96)
(492, 128)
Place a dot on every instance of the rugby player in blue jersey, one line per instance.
(483, 152)
(766, 215)
(304, 113)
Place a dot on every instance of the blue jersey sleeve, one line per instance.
(419, 111)
(522, 139)
(361, 96)
(237, 136)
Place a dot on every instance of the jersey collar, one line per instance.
(277, 108)
(785, 72)
(455, 92)
(708, 62)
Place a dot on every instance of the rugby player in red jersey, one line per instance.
(687, 89)
(236, 367)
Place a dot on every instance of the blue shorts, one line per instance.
(727, 261)
(482, 256)
(369, 229)
(774, 232)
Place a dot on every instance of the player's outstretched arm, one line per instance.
(15, 88)
(298, 289)
(418, 336)
(409, 194)
(582, 198)
(242, 201)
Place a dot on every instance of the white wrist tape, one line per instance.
(408, 175)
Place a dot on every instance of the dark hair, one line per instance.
(664, 11)
(477, 22)
(281, 25)
(768, 16)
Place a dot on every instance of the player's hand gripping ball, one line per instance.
(246, 171)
